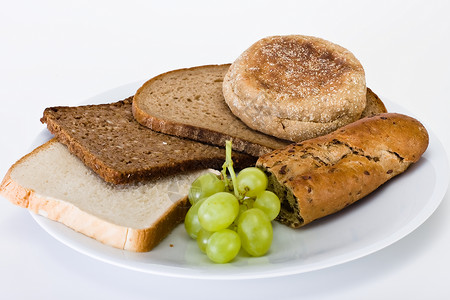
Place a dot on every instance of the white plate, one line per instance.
(382, 218)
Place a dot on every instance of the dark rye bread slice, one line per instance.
(189, 103)
(108, 140)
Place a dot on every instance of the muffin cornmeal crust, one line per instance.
(295, 87)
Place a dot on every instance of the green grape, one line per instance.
(233, 225)
(251, 181)
(269, 203)
(191, 222)
(202, 239)
(218, 211)
(205, 186)
(223, 246)
(255, 231)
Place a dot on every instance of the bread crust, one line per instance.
(295, 87)
(195, 133)
(325, 174)
(121, 237)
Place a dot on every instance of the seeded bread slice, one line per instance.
(189, 103)
(52, 182)
(108, 140)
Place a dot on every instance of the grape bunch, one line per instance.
(229, 212)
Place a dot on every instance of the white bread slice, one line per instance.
(52, 182)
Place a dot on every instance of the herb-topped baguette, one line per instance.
(321, 176)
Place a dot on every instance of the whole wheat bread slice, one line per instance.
(189, 103)
(52, 182)
(108, 139)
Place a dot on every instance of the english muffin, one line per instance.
(295, 87)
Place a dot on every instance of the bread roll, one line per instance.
(295, 87)
(321, 176)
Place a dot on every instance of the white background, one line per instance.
(63, 52)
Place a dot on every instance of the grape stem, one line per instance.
(229, 165)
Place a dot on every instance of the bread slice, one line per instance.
(52, 182)
(189, 103)
(107, 139)
(374, 105)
